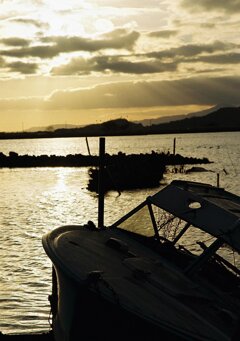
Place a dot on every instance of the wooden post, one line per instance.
(101, 183)
(174, 145)
(218, 180)
(89, 153)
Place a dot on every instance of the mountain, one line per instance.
(167, 119)
(223, 119)
(119, 126)
(122, 123)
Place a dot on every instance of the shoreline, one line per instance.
(56, 134)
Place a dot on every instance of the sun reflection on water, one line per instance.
(61, 185)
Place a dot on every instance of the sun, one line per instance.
(103, 25)
(56, 25)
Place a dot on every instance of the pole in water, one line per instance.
(89, 153)
(101, 182)
(174, 145)
(218, 180)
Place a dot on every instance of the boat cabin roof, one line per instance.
(209, 208)
(212, 209)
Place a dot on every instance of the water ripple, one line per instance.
(35, 201)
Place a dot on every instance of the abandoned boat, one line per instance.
(162, 272)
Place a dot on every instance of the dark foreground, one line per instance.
(49, 337)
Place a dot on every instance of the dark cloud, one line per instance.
(208, 25)
(228, 58)
(197, 91)
(23, 68)
(14, 41)
(119, 39)
(118, 32)
(228, 6)
(53, 46)
(142, 94)
(41, 51)
(114, 64)
(191, 50)
(210, 70)
(148, 63)
(33, 22)
(153, 62)
(77, 66)
(163, 34)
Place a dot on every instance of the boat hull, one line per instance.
(112, 284)
(84, 314)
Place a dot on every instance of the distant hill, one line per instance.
(167, 119)
(116, 127)
(146, 122)
(119, 126)
(223, 119)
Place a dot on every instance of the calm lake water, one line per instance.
(35, 201)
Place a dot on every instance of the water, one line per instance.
(35, 201)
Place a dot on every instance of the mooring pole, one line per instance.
(89, 153)
(174, 145)
(101, 183)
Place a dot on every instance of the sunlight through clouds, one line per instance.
(86, 47)
(103, 25)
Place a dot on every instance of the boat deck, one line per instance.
(128, 273)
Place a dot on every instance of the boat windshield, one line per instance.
(151, 220)
(140, 222)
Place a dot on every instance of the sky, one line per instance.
(88, 61)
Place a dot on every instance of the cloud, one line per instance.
(41, 51)
(166, 60)
(152, 62)
(118, 39)
(2, 62)
(191, 50)
(201, 90)
(115, 34)
(208, 25)
(142, 94)
(229, 6)
(15, 41)
(130, 3)
(19, 67)
(23, 68)
(53, 46)
(114, 64)
(228, 58)
(33, 22)
(163, 34)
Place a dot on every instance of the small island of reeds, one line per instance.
(137, 171)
